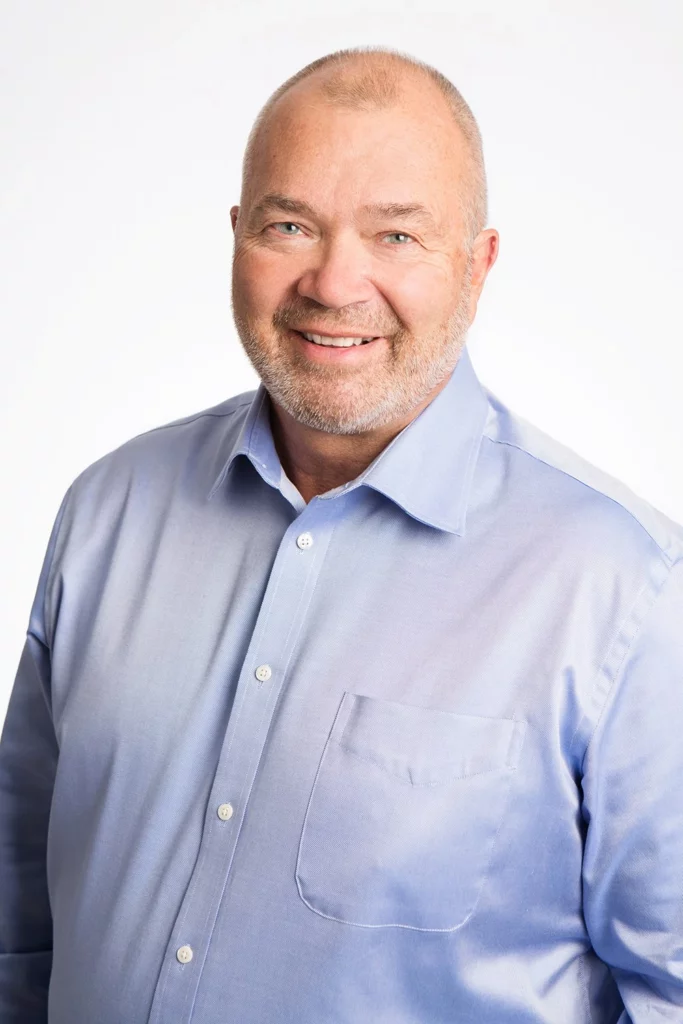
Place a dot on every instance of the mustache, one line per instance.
(291, 316)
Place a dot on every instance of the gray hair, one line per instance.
(378, 84)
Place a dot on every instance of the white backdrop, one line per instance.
(122, 125)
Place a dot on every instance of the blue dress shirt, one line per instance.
(411, 753)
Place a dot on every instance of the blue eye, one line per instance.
(398, 234)
(285, 224)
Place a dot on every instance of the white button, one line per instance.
(185, 954)
(304, 540)
(263, 672)
(225, 812)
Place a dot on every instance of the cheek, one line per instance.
(420, 295)
(261, 282)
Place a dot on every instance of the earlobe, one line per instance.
(234, 212)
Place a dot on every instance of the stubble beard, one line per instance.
(341, 400)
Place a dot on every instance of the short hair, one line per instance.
(377, 83)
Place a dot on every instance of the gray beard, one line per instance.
(415, 380)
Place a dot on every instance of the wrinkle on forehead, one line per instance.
(297, 122)
(367, 78)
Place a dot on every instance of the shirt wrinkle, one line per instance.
(409, 751)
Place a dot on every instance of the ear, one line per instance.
(233, 216)
(485, 252)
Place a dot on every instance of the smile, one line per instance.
(327, 340)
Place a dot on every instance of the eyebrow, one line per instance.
(277, 201)
(411, 211)
(272, 201)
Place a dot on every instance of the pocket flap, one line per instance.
(426, 746)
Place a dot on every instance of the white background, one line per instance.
(122, 126)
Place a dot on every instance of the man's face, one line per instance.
(319, 249)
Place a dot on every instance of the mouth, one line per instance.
(333, 341)
(327, 349)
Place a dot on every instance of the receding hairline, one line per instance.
(368, 77)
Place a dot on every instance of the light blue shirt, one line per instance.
(411, 753)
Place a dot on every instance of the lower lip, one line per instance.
(335, 354)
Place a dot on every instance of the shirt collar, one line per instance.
(426, 469)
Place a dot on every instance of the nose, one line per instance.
(338, 274)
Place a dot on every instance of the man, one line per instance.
(355, 698)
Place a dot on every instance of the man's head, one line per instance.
(362, 208)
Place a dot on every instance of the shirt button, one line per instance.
(184, 954)
(263, 672)
(225, 812)
(304, 540)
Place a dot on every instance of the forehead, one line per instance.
(326, 152)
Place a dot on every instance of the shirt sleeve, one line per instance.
(28, 761)
(633, 806)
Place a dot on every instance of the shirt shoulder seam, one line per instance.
(153, 430)
(191, 419)
(667, 553)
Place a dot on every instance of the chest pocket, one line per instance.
(403, 814)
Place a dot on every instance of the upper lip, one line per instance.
(327, 333)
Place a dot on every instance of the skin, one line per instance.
(339, 269)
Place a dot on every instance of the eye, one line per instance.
(400, 235)
(286, 225)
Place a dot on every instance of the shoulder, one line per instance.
(586, 507)
(197, 438)
(170, 466)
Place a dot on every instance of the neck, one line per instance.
(317, 461)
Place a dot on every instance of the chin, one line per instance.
(335, 420)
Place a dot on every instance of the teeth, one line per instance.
(322, 339)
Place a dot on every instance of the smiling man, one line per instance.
(359, 257)
(354, 698)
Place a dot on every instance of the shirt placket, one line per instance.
(283, 611)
